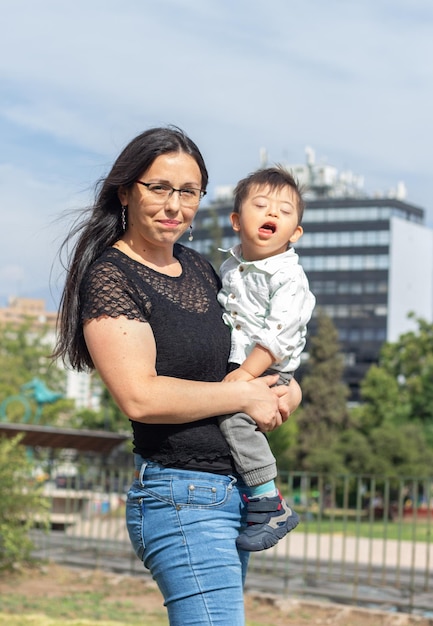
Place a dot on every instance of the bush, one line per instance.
(22, 504)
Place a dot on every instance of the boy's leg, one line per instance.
(269, 517)
(250, 449)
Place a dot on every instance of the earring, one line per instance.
(190, 236)
(123, 217)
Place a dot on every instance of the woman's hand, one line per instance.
(289, 398)
(263, 403)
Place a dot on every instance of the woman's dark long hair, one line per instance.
(102, 226)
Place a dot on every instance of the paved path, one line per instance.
(375, 552)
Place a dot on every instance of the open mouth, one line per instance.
(269, 227)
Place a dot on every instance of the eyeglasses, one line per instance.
(189, 196)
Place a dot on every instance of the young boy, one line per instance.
(267, 304)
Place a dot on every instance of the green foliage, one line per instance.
(25, 355)
(356, 453)
(396, 413)
(410, 362)
(109, 417)
(21, 504)
(403, 451)
(391, 432)
(281, 442)
(215, 235)
(324, 415)
(383, 400)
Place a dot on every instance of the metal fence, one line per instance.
(363, 540)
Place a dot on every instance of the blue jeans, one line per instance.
(183, 526)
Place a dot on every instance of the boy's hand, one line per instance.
(238, 375)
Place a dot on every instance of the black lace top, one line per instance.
(192, 343)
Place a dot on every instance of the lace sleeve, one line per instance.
(106, 291)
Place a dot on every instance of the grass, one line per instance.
(53, 595)
(42, 620)
(398, 530)
(91, 607)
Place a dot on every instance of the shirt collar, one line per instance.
(270, 264)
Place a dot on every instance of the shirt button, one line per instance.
(232, 296)
(279, 326)
(238, 326)
(234, 313)
(241, 268)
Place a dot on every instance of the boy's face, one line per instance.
(267, 222)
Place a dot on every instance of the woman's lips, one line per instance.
(170, 223)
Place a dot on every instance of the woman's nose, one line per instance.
(173, 201)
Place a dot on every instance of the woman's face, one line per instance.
(161, 219)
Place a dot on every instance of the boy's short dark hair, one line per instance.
(274, 177)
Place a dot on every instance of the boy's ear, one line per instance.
(297, 234)
(234, 218)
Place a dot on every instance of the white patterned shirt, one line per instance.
(269, 303)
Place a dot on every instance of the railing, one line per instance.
(363, 540)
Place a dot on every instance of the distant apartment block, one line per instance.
(18, 310)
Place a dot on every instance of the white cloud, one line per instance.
(31, 231)
(354, 80)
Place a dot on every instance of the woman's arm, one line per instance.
(124, 353)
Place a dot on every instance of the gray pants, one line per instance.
(249, 447)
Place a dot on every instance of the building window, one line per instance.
(331, 287)
(344, 262)
(346, 214)
(344, 239)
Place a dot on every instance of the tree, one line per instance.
(25, 355)
(109, 417)
(324, 415)
(281, 442)
(215, 234)
(395, 416)
(410, 362)
(21, 504)
(383, 400)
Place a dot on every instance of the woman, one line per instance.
(142, 310)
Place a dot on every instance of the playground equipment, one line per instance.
(33, 390)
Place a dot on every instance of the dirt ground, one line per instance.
(54, 581)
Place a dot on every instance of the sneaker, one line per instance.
(269, 520)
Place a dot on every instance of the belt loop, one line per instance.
(141, 474)
(232, 482)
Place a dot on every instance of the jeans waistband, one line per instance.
(141, 465)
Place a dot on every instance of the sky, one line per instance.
(78, 80)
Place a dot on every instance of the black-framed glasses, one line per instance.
(189, 196)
